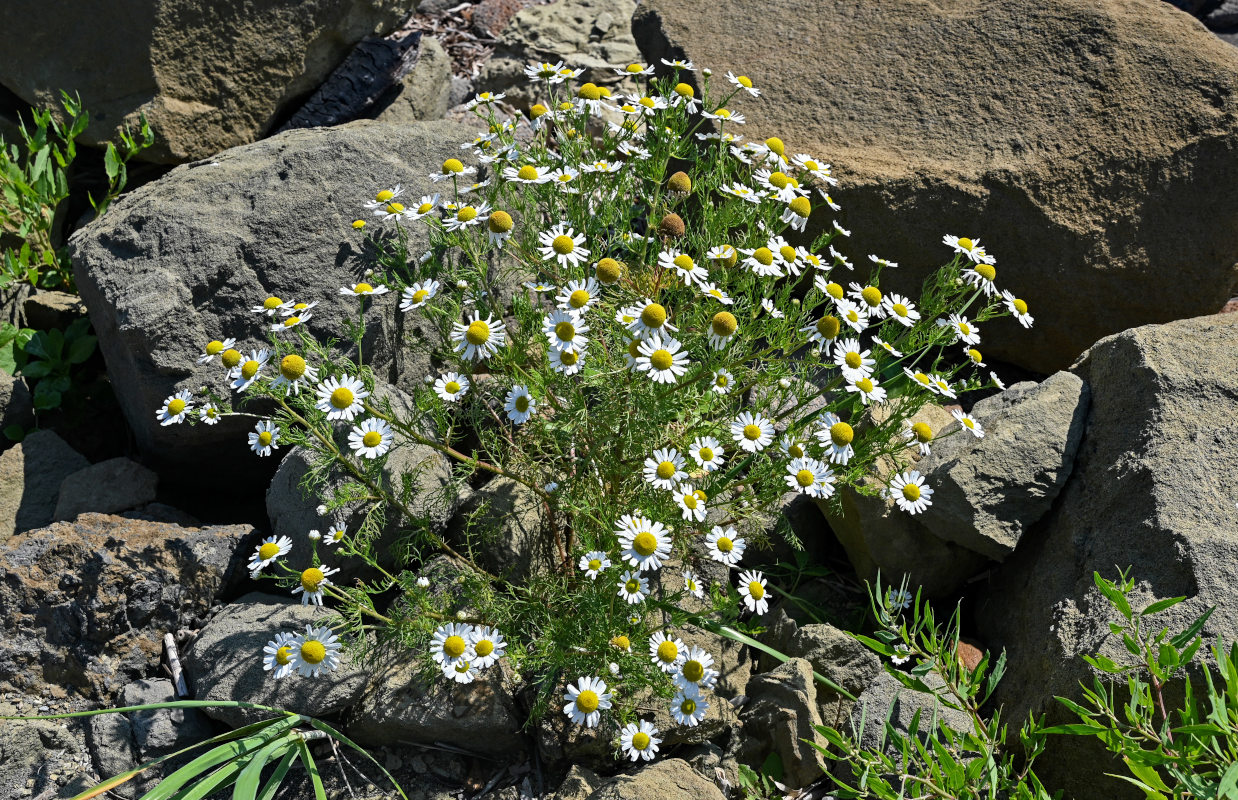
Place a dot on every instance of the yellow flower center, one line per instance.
(706, 453)
(834, 290)
(214, 348)
(563, 245)
(363, 288)
(668, 652)
(911, 492)
(595, 564)
(693, 671)
(974, 355)
(394, 208)
(424, 208)
(635, 68)
(288, 323)
(292, 366)
(922, 378)
(283, 655)
(801, 206)
(922, 431)
(631, 586)
(420, 295)
(795, 451)
(775, 144)
(466, 214)
(645, 543)
(372, 439)
(788, 253)
(691, 501)
(647, 102)
(679, 182)
(966, 243)
(455, 646)
(852, 316)
(578, 299)
(452, 165)
(756, 590)
(724, 324)
(725, 113)
(342, 398)
(965, 329)
(1020, 306)
(752, 432)
(384, 195)
(565, 106)
(311, 578)
(986, 271)
(724, 544)
(853, 360)
(265, 438)
(842, 434)
(899, 309)
(764, 256)
(688, 706)
(527, 173)
(608, 271)
(872, 296)
(313, 652)
(452, 387)
(587, 701)
(684, 261)
(829, 326)
(864, 385)
(176, 406)
(779, 180)
(522, 403)
(811, 166)
(653, 315)
(565, 330)
(684, 90)
(483, 648)
(272, 303)
(478, 333)
(589, 91)
(722, 381)
(969, 423)
(666, 470)
(640, 740)
(537, 110)
(622, 642)
(268, 551)
(250, 368)
(805, 478)
(569, 358)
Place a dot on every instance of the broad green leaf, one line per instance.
(1227, 789)
(1184, 638)
(111, 163)
(1161, 605)
(37, 345)
(81, 349)
(248, 782)
(311, 767)
(36, 369)
(226, 752)
(1074, 730)
(1147, 775)
(47, 400)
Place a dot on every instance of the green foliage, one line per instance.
(47, 359)
(35, 182)
(1185, 752)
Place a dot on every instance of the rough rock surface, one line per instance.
(206, 77)
(670, 779)
(30, 476)
(780, 714)
(1152, 489)
(87, 602)
(479, 717)
(16, 404)
(224, 662)
(42, 757)
(424, 91)
(887, 696)
(182, 260)
(502, 523)
(117, 484)
(1042, 129)
(988, 492)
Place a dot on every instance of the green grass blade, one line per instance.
(277, 778)
(312, 768)
(157, 706)
(246, 787)
(327, 729)
(225, 752)
(743, 638)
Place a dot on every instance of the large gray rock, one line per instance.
(117, 484)
(502, 523)
(780, 717)
(669, 779)
(86, 603)
(988, 492)
(1005, 126)
(830, 652)
(207, 78)
(887, 700)
(181, 261)
(225, 663)
(30, 476)
(424, 92)
(16, 405)
(1152, 489)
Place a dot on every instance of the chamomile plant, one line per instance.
(637, 334)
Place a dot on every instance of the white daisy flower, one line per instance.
(970, 248)
(808, 164)
(691, 502)
(664, 469)
(792, 446)
(840, 229)
(335, 535)
(209, 414)
(909, 491)
(796, 213)
(214, 349)
(594, 563)
(602, 165)
(975, 356)
(662, 359)
(922, 379)
(997, 381)
(645, 543)
(418, 294)
(451, 386)
(248, 371)
(726, 115)
(678, 63)
(881, 262)
(725, 546)
(634, 69)
(649, 318)
(743, 82)
(263, 440)
(712, 290)
(371, 439)
(869, 299)
(770, 309)
(278, 655)
(586, 701)
(852, 315)
(451, 643)
(639, 740)
(683, 266)
(427, 204)
(265, 554)
(519, 404)
(271, 306)
(1017, 307)
(485, 98)
(666, 652)
(900, 308)
(632, 587)
(743, 192)
(752, 432)
(837, 436)
(964, 331)
(290, 322)
(824, 331)
(478, 338)
(579, 296)
(563, 245)
(563, 177)
(942, 386)
(752, 589)
(467, 216)
(488, 645)
(811, 477)
(452, 169)
(722, 328)
(692, 584)
(313, 583)
(175, 407)
(969, 422)
(840, 260)
(545, 71)
(341, 398)
(762, 262)
(565, 330)
(462, 671)
(696, 672)
(921, 435)
(780, 185)
(707, 452)
(384, 197)
(360, 289)
(316, 652)
(499, 227)
(721, 383)
(528, 173)
(868, 389)
(569, 362)
(854, 362)
(634, 151)
(688, 707)
(981, 276)
(889, 348)
(293, 374)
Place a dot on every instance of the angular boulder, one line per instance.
(206, 77)
(31, 473)
(117, 484)
(669, 779)
(182, 260)
(1087, 143)
(1153, 490)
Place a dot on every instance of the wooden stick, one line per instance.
(174, 663)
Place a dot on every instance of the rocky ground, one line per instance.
(1046, 128)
